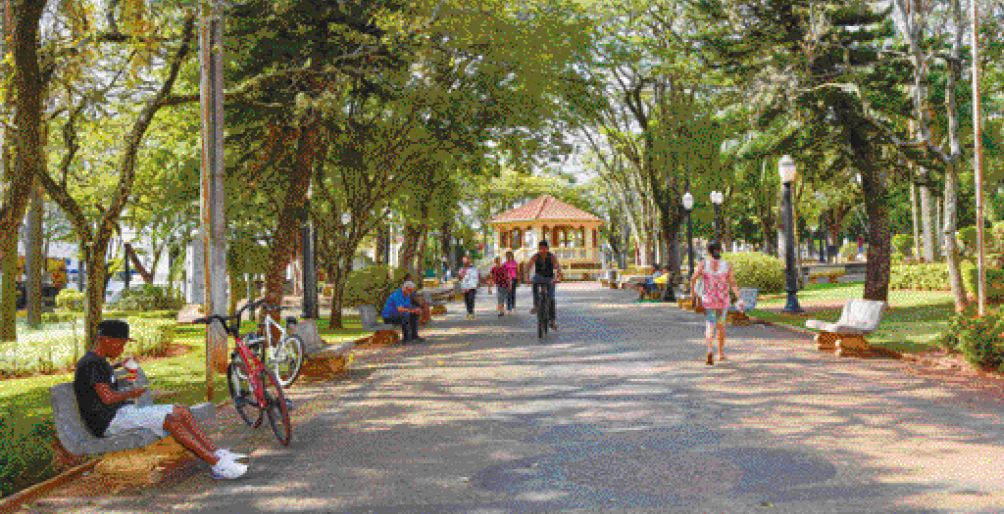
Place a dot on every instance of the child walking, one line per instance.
(718, 279)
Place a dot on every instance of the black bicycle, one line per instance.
(543, 301)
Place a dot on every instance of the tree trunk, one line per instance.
(915, 216)
(951, 173)
(380, 252)
(406, 255)
(879, 236)
(33, 259)
(8, 288)
(927, 224)
(287, 230)
(94, 291)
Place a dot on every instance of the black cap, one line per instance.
(114, 328)
(543, 243)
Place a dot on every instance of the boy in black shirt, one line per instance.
(106, 410)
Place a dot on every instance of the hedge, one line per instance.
(372, 285)
(759, 270)
(927, 277)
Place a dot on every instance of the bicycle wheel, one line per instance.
(541, 313)
(275, 407)
(287, 360)
(242, 392)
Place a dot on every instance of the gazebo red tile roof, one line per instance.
(546, 208)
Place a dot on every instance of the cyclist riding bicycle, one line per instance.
(546, 273)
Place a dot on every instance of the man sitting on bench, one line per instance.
(107, 411)
(400, 310)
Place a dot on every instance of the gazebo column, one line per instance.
(498, 243)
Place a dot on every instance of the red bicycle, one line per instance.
(253, 387)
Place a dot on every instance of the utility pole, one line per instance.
(211, 205)
(309, 268)
(981, 294)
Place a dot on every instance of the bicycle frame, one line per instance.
(252, 361)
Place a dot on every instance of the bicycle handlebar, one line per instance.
(225, 319)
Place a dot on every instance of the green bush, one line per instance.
(25, 452)
(849, 250)
(967, 238)
(903, 243)
(926, 277)
(161, 314)
(977, 338)
(148, 298)
(757, 270)
(70, 300)
(372, 285)
(150, 337)
(995, 281)
(60, 317)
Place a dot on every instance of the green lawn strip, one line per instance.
(29, 396)
(910, 325)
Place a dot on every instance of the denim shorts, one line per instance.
(715, 315)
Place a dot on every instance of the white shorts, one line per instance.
(131, 417)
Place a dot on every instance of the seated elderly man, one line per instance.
(106, 410)
(649, 284)
(400, 309)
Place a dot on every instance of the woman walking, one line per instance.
(512, 268)
(469, 278)
(500, 277)
(718, 279)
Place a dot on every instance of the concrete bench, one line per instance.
(857, 319)
(749, 297)
(813, 276)
(687, 302)
(322, 359)
(383, 333)
(123, 452)
(436, 299)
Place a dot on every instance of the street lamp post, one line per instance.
(786, 168)
(717, 197)
(688, 205)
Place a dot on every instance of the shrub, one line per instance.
(71, 300)
(151, 337)
(903, 243)
(372, 285)
(148, 298)
(849, 250)
(967, 238)
(928, 277)
(995, 281)
(977, 338)
(758, 270)
(25, 452)
(161, 314)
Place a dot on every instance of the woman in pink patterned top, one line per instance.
(718, 279)
(512, 267)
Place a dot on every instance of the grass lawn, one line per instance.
(911, 323)
(29, 397)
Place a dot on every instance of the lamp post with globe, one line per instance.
(717, 197)
(688, 205)
(786, 169)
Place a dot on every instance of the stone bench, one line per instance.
(436, 299)
(134, 452)
(857, 319)
(831, 274)
(687, 302)
(322, 360)
(383, 333)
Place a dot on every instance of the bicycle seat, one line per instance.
(290, 320)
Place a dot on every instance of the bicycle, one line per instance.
(251, 384)
(542, 295)
(282, 352)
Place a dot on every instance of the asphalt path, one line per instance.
(617, 411)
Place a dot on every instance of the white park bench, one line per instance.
(383, 333)
(322, 359)
(857, 319)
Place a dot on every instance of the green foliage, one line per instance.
(903, 243)
(849, 250)
(926, 277)
(25, 452)
(977, 338)
(758, 270)
(372, 286)
(966, 237)
(995, 281)
(71, 300)
(148, 297)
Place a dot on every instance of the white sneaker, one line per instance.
(227, 469)
(224, 453)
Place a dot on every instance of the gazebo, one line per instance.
(572, 232)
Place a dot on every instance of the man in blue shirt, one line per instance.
(400, 310)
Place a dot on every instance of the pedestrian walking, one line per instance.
(500, 277)
(469, 278)
(718, 278)
(513, 268)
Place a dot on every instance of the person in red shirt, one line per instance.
(500, 277)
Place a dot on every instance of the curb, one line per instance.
(11, 503)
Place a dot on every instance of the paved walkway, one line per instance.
(616, 412)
